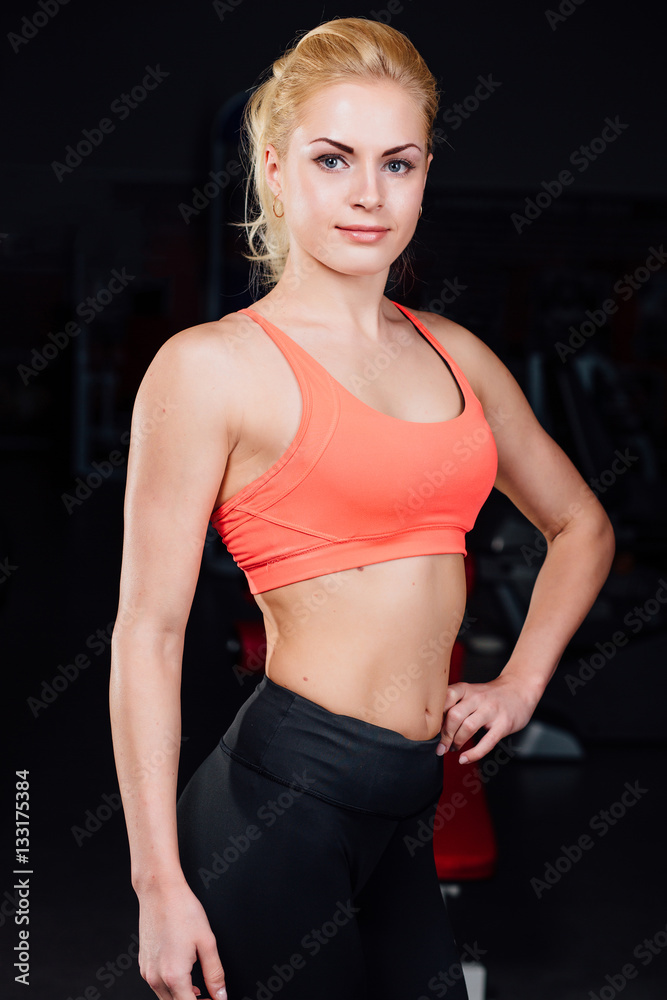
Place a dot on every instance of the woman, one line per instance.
(342, 446)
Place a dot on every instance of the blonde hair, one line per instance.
(341, 49)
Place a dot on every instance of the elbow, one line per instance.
(606, 539)
(602, 530)
(591, 533)
(599, 538)
(135, 647)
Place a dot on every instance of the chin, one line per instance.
(359, 271)
(363, 263)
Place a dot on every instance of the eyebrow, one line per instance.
(349, 149)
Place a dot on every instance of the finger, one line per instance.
(446, 739)
(180, 990)
(172, 988)
(447, 742)
(468, 727)
(455, 692)
(485, 745)
(212, 970)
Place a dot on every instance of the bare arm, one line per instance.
(543, 484)
(180, 440)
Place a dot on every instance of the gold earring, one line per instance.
(274, 208)
(420, 212)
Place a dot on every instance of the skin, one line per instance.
(219, 405)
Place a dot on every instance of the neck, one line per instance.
(309, 292)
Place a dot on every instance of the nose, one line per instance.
(367, 190)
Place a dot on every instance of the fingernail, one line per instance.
(440, 749)
(463, 759)
(221, 994)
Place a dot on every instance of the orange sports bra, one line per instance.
(358, 486)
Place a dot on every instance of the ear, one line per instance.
(428, 164)
(272, 169)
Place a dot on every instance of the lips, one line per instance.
(364, 234)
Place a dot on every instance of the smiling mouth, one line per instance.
(364, 234)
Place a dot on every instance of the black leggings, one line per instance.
(307, 836)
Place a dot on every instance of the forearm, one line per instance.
(576, 565)
(144, 702)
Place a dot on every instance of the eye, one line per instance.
(394, 166)
(329, 160)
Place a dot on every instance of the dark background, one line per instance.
(130, 206)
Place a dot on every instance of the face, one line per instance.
(352, 179)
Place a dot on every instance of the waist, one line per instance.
(373, 642)
(340, 759)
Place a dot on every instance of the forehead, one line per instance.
(366, 110)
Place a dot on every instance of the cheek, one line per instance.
(408, 194)
(313, 198)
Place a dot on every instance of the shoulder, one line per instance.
(218, 343)
(221, 350)
(481, 366)
(207, 367)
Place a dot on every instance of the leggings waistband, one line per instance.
(341, 759)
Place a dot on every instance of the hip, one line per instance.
(341, 759)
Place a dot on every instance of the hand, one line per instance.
(501, 706)
(173, 932)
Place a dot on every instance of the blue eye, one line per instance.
(326, 161)
(331, 163)
(400, 163)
